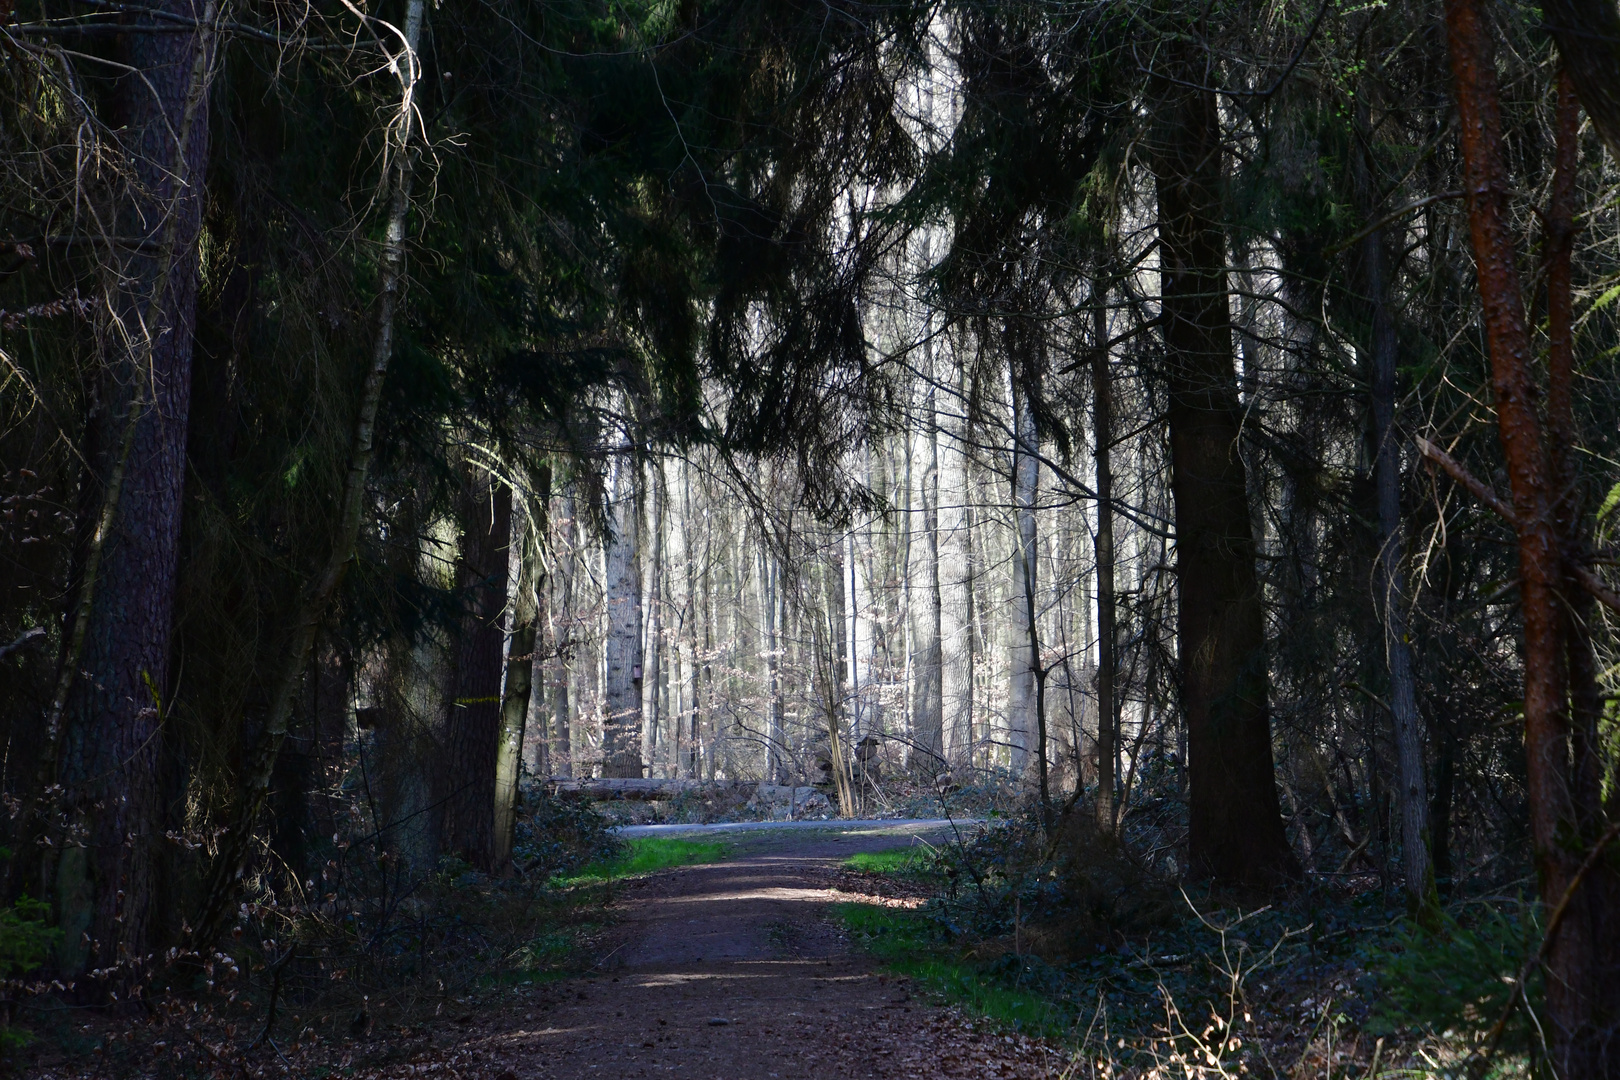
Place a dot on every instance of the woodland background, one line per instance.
(901, 398)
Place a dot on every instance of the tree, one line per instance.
(1582, 949)
(1236, 825)
(473, 713)
(115, 687)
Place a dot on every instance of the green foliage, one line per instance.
(26, 939)
(648, 854)
(556, 837)
(26, 936)
(1459, 978)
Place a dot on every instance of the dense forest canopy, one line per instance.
(1197, 419)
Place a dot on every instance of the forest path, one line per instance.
(734, 971)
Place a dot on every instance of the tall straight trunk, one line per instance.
(1102, 420)
(705, 721)
(828, 675)
(524, 582)
(855, 669)
(472, 720)
(230, 861)
(690, 623)
(1571, 511)
(775, 757)
(1570, 507)
(621, 690)
(1580, 1011)
(652, 606)
(955, 576)
(563, 625)
(104, 731)
(924, 609)
(1021, 659)
(1417, 871)
(1235, 825)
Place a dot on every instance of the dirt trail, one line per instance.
(734, 971)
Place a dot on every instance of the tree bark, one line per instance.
(1579, 1006)
(1102, 419)
(1571, 513)
(525, 579)
(1417, 869)
(563, 625)
(1022, 662)
(652, 606)
(621, 690)
(955, 575)
(923, 578)
(775, 746)
(1236, 833)
(1588, 36)
(472, 720)
(109, 725)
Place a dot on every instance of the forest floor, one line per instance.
(734, 970)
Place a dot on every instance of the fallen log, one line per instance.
(648, 790)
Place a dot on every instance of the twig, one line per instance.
(1394, 215)
(1455, 469)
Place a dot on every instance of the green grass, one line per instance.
(647, 854)
(900, 862)
(905, 942)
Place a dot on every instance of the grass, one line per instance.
(905, 942)
(648, 854)
(899, 862)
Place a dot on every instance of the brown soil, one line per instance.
(734, 971)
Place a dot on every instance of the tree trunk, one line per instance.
(473, 713)
(775, 755)
(1422, 898)
(955, 576)
(110, 724)
(1021, 660)
(1588, 36)
(621, 689)
(1102, 418)
(524, 582)
(563, 627)
(1579, 1010)
(923, 577)
(1236, 834)
(1571, 512)
(652, 605)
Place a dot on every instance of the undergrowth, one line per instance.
(1069, 938)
